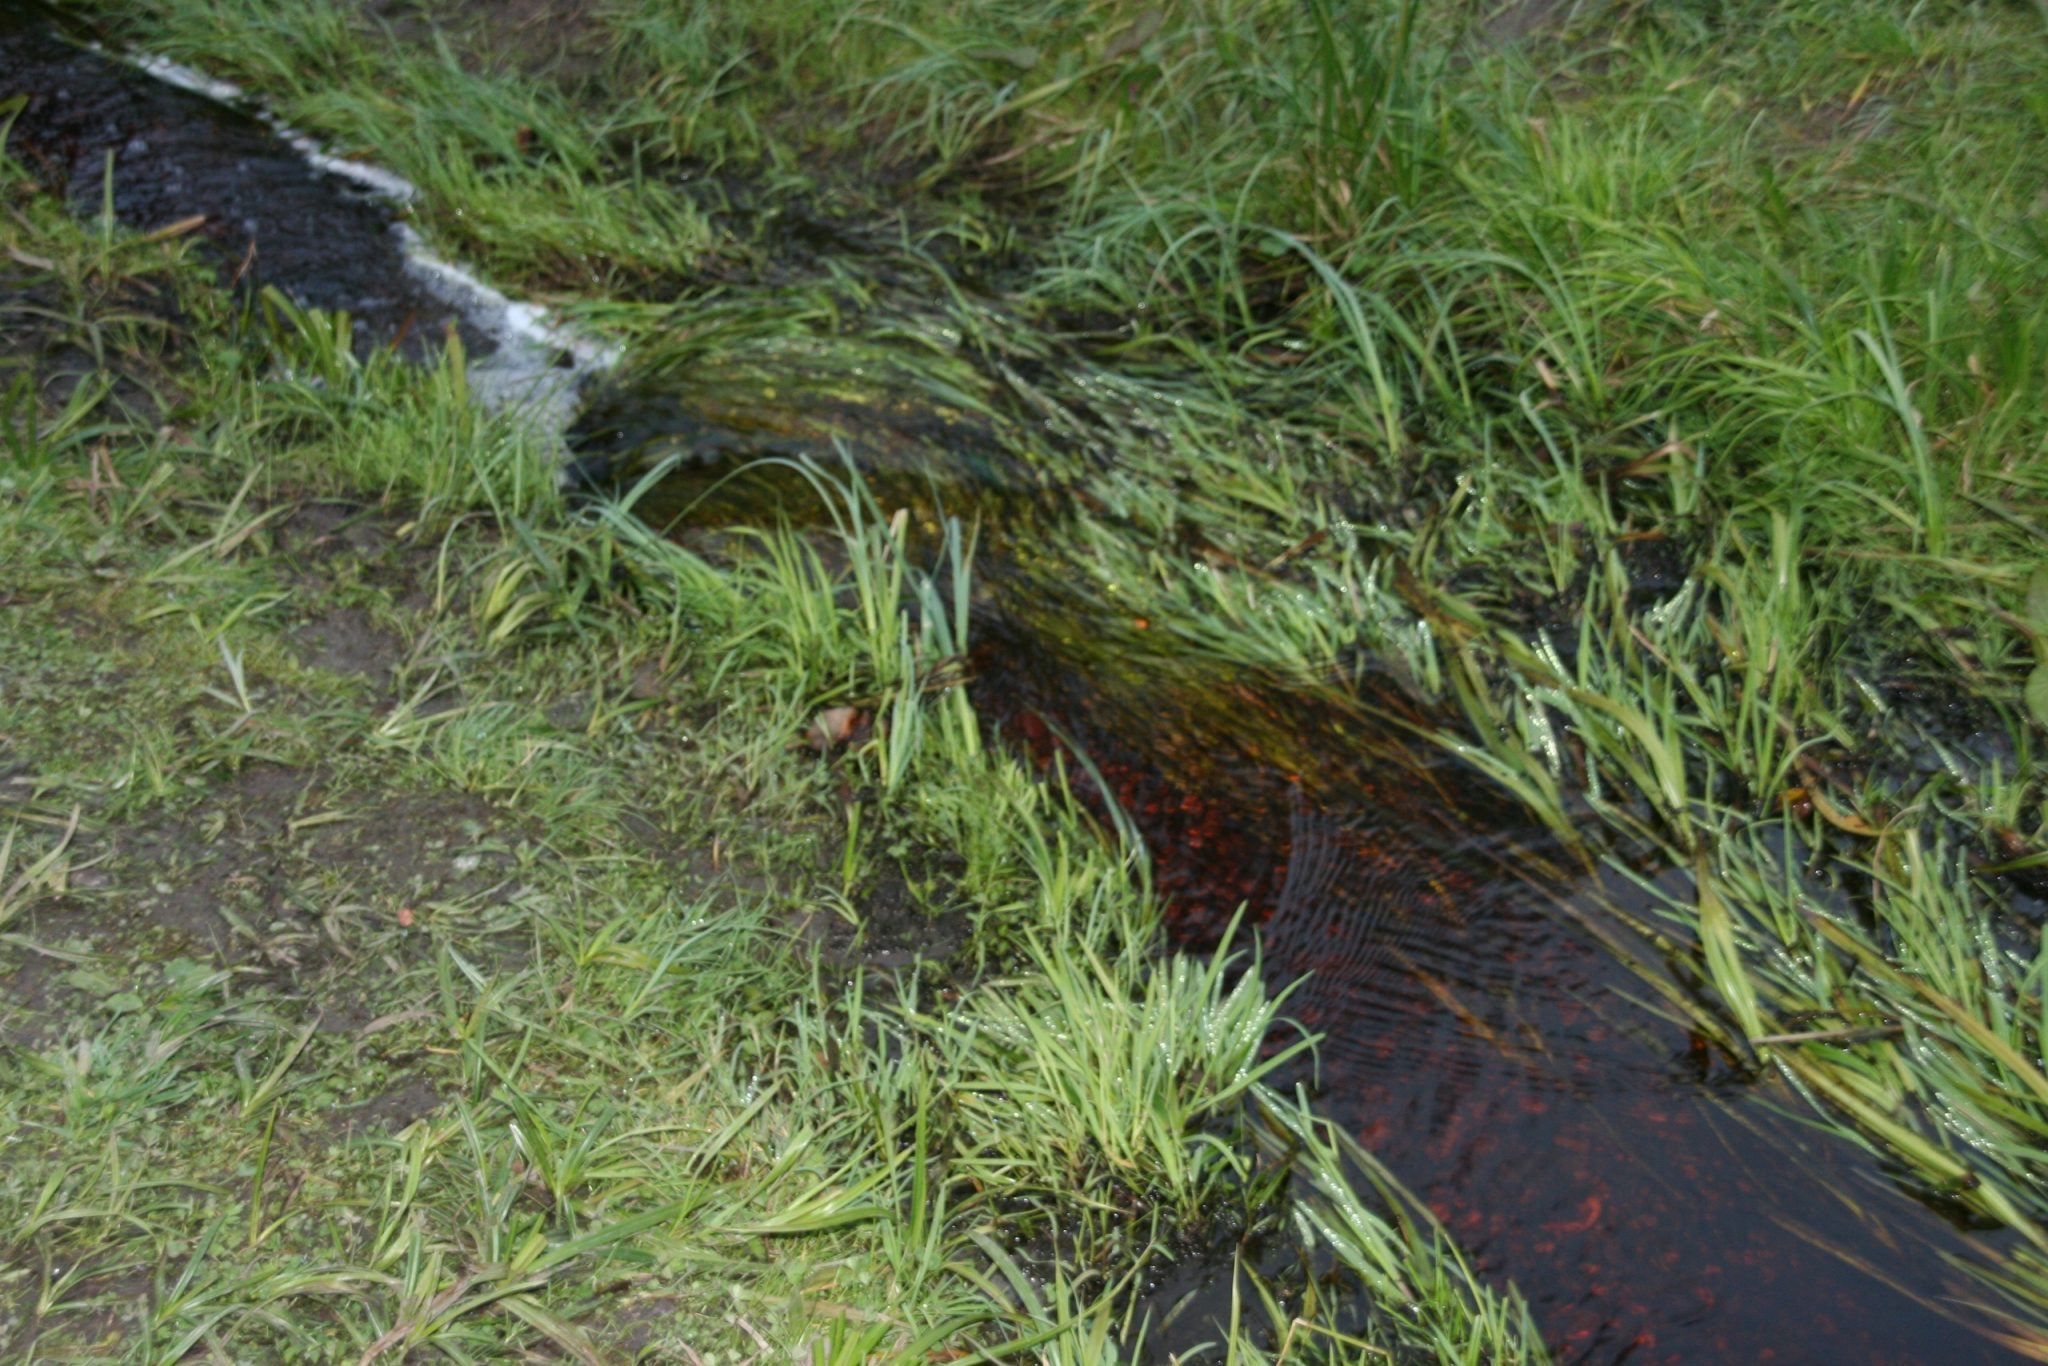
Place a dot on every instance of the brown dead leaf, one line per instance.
(830, 728)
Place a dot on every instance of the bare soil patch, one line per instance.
(347, 641)
(276, 874)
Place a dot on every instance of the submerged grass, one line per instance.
(419, 912)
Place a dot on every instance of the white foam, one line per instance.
(182, 76)
(378, 181)
(508, 320)
(527, 371)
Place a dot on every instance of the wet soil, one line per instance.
(390, 1111)
(902, 917)
(276, 875)
(346, 640)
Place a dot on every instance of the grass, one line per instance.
(427, 931)
(1661, 388)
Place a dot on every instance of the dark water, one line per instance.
(1652, 1201)
(269, 217)
(1645, 1197)
(1652, 1204)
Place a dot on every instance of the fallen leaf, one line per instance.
(831, 727)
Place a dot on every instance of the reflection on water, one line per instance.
(1651, 1205)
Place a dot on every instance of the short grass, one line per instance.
(427, 931)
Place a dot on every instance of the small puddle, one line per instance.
(1652, 1205)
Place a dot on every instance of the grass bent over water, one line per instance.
(1658, 389)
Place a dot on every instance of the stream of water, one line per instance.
(1652, 1203)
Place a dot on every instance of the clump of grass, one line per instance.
(375, 423)
(1106, 1058)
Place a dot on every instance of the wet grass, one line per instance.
(1662, 386)
(427, 927)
